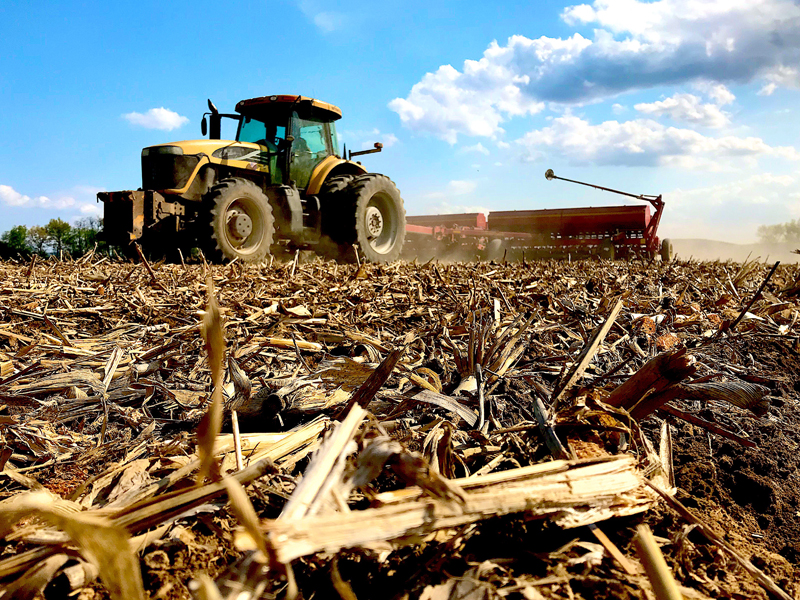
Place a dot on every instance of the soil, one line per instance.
(750, 496)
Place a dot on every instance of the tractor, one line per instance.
(280, 186)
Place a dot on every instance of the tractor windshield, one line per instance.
(258, 132)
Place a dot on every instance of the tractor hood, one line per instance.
(171, 168)
(203, 146)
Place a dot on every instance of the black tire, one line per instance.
(334, 202)
(375, 218)
(606, 251)
(336, 184)
(241, 222)
(667, 253)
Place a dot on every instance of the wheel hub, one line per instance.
(240, 225)
(374, 221)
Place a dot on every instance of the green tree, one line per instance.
(83, 235)
(58, 232)
(38, 239)
(16, 239)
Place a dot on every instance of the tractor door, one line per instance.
(312, 144)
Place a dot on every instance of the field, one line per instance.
(463, 430)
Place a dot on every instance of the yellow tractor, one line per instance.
(280, 185)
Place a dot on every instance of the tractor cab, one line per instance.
(298, 132)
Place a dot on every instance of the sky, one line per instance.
(696, 100)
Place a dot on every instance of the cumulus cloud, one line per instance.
(457, 187)
(449, 102)
(686, 108)
(93, 210)
(156, 118)
(636, 44)
(477, 148)
(366, 139)
(768, 89)
(618, 109)
(718, 92)
(643, 142)
(11, 197)
(445, 208)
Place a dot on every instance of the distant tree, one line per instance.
(16, 240)
(38, 239)
(58, 232)
(783, 232)
(83, 235)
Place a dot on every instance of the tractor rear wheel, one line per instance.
(376, 219)
(242, 225)
(667, 252)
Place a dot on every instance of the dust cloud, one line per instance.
(714, 250)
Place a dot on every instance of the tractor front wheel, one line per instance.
(380, 219)
(242, 225)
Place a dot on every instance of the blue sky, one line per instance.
(695, 100)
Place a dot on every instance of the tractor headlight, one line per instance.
(233, 152)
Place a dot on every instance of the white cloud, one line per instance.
(366, 139)
(474, 102)
(730, 211)
(157, 118)
(11, 197)
(389, 140)
(768, 89)
(461, 187)
(445, 208)
(636, 44)
(95, 209)
(718, 92)
(686, 108)
(756, 189)
(326, 21)
(643, 142)
(457, 187)
(618, 109)
(478, 148)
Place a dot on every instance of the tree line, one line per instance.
(57, 237)
(783, 232)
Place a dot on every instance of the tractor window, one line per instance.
(313, 137)
(258, 132)
(334, 139)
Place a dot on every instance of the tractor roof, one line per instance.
(305, 107)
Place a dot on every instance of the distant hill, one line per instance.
(714, 250)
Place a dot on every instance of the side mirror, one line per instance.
(204, 126)
(549, 175)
